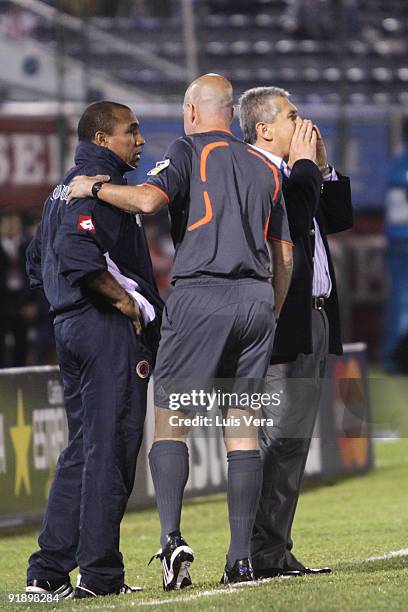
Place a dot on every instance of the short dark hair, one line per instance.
(98, 117)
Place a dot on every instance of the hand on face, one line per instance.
(81, 186)
(304, 142)
(321, 153)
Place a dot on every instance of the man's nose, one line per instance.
(140, 141)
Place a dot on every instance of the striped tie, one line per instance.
(285, 168)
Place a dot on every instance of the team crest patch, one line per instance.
(143, 369)
(160, 165)
(86, 224)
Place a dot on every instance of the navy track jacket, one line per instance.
(71, 241)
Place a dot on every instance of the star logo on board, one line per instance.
(21, 436)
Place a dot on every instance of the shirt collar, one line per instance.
(275, 159)
(89, 152)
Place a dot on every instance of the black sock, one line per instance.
(169, 468)
(244, 489)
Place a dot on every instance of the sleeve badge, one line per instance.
(160, 165)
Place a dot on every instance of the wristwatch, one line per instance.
(96, 187)
(325, 169)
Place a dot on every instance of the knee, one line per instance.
(170, 425)
(242, 444)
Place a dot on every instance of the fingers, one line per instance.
(319, 135)
(308, 130)
(298, 125)
(138, 326)
(81, 186)
(137, 320)
(304, 142)
(69, 195)
(302, 129)
(295, 138)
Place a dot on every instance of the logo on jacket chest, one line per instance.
(86, 224)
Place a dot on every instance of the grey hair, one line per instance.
(258, 104)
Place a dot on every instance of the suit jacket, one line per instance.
(307, 196)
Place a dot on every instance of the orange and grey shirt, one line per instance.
(224, 200)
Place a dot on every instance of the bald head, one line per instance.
(208, 104)
(211, 90)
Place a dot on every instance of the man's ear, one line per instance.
(100, 139)
(195, 117)
(264, 131)
(189, 110)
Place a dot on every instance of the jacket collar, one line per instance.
(88, 152)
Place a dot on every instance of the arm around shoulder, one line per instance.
(130, 198)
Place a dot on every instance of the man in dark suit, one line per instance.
(318, 202)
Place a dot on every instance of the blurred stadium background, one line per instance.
(344, 62)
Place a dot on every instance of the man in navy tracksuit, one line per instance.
(93, 264)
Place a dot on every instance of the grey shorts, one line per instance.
(214, 329)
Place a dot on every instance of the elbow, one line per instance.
(288, 267)
(144, 203)
(282, 254)
(287, 259)
(148, 201)
(148, 208)
(287, 263)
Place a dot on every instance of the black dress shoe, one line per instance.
(275, 572)
(292, 564)
(317, 570)
(306, 571)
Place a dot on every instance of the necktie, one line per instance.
(285, 168)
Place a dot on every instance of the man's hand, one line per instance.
(130, 308)
(321, 153)
(303, 145)
(106, 285)
(81, 186)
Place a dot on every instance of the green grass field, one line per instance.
(341, 525)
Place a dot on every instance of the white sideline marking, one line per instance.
(210, 593)
(227, 591)
(394, 553)
(184, 598)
